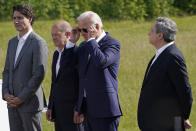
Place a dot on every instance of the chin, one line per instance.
(19, 29)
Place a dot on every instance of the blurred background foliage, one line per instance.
(107, 9)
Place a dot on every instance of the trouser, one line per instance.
(102, 124)
(24, 121)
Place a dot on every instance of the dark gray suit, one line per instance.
(24, 81)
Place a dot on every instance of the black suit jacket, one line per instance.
(64, 87)
(166, 92)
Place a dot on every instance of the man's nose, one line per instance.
(16, 21)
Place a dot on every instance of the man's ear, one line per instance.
(30, 20)
(160, 35)
(67, 34)
(97, 26)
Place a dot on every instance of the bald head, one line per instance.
(61, 32)
(62, 26)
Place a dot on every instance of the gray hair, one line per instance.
(92, 17)
(168, 27)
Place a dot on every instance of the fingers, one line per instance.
(81, 118)
(75, 119)
(78, 119)
(187, 124)
(14, 101)
(75, 35)
(10, 104)
(10, 100)
(49, 115)
(92, 31)
(17, 101)
(8, 97)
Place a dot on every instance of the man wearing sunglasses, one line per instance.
(98, 63)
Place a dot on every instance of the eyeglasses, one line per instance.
(83, 29)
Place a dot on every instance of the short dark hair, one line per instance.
(26, 10)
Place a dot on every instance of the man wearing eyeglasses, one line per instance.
(98, 63)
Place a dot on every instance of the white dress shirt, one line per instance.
(159, 51)
(21, 43)
(58, 61)
(68, 45)
(100, 37)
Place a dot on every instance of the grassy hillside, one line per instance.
(135, 55)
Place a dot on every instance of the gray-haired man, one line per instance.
(166, 98)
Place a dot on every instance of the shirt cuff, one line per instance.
(70, 43)
(91, 39)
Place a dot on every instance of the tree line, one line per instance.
(107, 9)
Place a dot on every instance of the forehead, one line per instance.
(84, 22)
(17, 13)
(81, 24)
(153, 27)
(55, 30)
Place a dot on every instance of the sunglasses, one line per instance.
(83, 29)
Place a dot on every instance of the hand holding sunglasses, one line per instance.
(92, 31)
(75, 35)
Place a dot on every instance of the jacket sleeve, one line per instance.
(50, 103)
(179, 78)
(40, 55)
(105, 57)
(5, 85)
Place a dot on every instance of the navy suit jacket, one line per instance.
(98, 65)
(64, 87)
(166, 92)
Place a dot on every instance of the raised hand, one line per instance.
(75, 35)
(92, 31)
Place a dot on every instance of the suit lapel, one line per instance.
(55, 58)
(64, 57)
(157, 63)
(24, 49)
(61, 61)
(147, 70)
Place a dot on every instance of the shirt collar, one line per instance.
(159, 51)
(24, 37)
(59, 51)
(101, 36)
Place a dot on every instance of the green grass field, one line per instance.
(135, 55)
